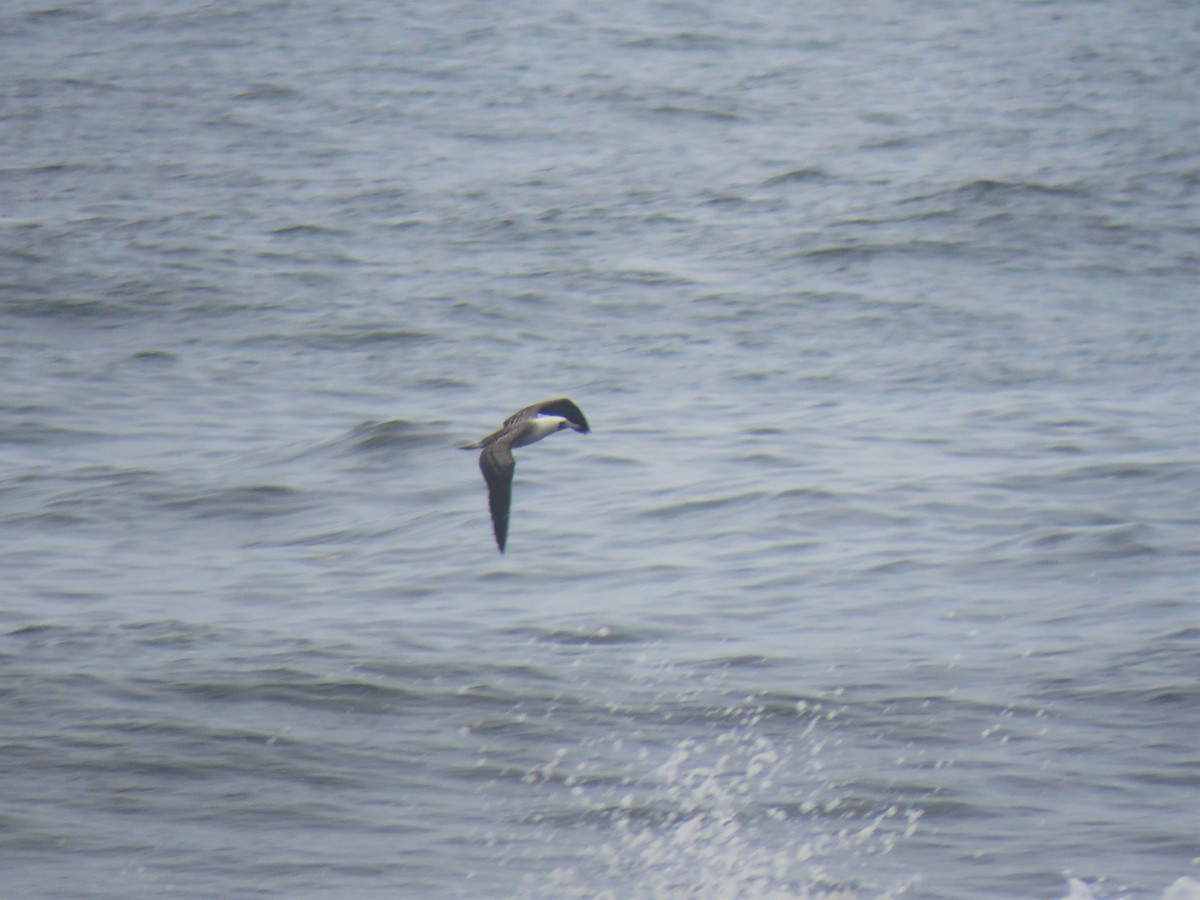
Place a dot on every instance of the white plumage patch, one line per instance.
(537, 428)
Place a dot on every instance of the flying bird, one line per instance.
(523, 427)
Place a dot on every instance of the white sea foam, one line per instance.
(1182, 889)
(737, 815)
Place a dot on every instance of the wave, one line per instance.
(707, 504)
(806, 174)
(251, 501)
(37, 434)
(388, 437)
(344, 339)
(585, 637)
(990, 190)
(908, 248)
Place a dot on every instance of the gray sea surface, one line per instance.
(876, 577)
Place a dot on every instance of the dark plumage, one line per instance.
(523, 427)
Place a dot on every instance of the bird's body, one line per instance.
(525, 426)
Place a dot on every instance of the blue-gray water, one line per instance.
(877, 576)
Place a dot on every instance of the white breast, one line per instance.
(537, 428)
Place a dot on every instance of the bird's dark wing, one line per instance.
(560, 407)
(497, 464)
(520, 416)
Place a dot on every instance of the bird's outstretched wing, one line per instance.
(497, 464)
(560, 407)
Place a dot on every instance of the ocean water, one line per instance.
(876, 577)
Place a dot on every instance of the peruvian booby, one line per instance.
(523, 427)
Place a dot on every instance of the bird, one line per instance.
(523, 427)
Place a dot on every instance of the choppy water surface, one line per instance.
(875, 578)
